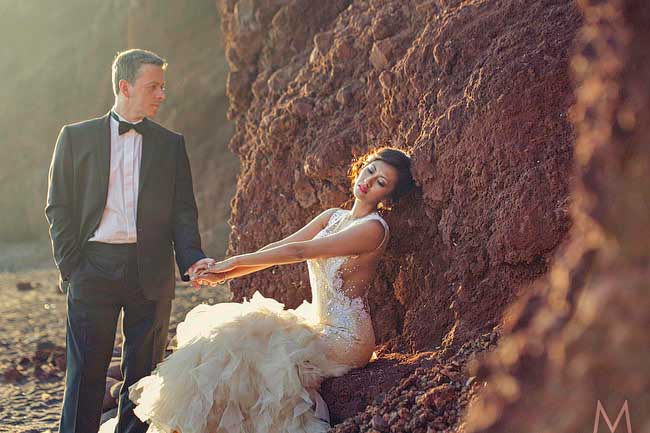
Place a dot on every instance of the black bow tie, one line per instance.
(125, 127)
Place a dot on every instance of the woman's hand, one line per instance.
(221, 267)
(210, 279)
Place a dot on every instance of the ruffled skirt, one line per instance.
(250, 367)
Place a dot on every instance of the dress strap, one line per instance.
(376, 216)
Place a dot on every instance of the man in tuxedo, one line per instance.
(120, 202)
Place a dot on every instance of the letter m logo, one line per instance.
(612, 429)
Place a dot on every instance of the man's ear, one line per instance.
(124, 88)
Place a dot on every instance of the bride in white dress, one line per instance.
(254, 367)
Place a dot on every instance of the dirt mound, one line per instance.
(478, 92)
(407, 392)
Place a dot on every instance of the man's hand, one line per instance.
(198, 267)
(63, 285)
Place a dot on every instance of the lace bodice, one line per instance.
(345, 318)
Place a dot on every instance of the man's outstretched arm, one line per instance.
(187, 241)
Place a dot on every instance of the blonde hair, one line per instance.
(126, 65)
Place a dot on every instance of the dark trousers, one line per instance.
(106, 282)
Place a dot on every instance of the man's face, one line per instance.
(148, 92)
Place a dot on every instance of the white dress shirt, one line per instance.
(117, 225)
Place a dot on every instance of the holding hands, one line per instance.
(198, 267)
(210, 272)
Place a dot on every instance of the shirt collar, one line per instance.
(122, 119)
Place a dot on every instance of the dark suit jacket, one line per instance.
(166, 214)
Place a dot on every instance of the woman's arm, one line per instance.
(239, 271)
(306, 233)
(362, 238)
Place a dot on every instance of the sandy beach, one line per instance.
(32, 336)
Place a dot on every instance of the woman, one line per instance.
(255, 367)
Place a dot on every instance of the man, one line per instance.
(120, 198)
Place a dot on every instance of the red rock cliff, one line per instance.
(478, 92)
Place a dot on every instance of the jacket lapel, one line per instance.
(148, 154)
(104, 155)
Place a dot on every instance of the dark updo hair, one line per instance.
(394, 157)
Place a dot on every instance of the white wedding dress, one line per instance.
(254, 367)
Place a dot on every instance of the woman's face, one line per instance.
(375, 182)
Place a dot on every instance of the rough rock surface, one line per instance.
(581, 340)
(479, 93)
